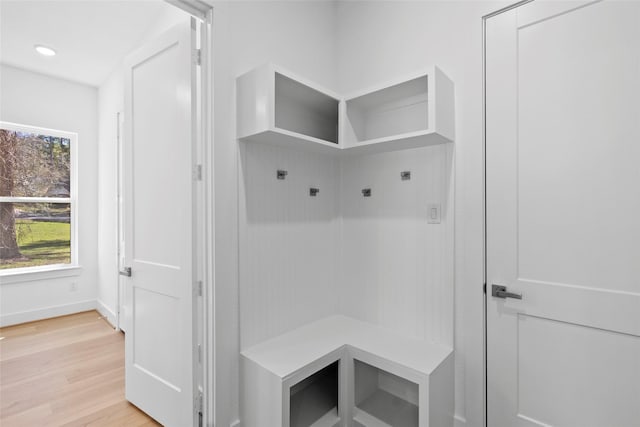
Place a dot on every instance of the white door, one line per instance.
(158, 158)
(563, 214)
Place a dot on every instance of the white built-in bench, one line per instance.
(343, 372)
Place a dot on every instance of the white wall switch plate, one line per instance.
(433, 213)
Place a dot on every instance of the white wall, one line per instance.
(110, 103)
(289, 241)
(383, 39)
(398, 268)
(297, 36)
(37, 100)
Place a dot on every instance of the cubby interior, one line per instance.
(393, 110)
(315, 397)
(304, 110)
(385, 397)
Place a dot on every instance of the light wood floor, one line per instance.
(67, 371)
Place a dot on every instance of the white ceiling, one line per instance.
(90, 36)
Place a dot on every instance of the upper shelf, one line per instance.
(276, 107)
(410, 112)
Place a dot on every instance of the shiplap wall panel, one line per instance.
(289, 241)
(376, 259)
(396, 268)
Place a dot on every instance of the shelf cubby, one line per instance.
(274, 106)
(411, 112)
(313, 402)
(384, 399)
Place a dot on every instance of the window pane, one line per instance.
(34, 165)
(34, 234)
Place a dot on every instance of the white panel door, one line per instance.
(563, 214)
(158, 157)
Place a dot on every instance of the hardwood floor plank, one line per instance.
(25, 345)
(37, 416)
(65, 371)
(63, 358)
(50, 324)
(119, 414)
(30, 394)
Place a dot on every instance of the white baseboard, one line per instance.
(108, 314)
(47, 312)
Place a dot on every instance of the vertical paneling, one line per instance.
(396, 266)
(372, 258)
(289, 241)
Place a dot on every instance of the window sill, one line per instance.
(38, 273)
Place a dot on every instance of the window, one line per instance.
(37, 199)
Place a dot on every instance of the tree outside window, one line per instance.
(36, 198)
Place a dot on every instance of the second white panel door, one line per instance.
(563, 204)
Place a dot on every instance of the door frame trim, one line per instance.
(485, 18)
(204, 207)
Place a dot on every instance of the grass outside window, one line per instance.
(41, 243)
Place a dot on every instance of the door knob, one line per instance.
(501, 292)
(126, 272)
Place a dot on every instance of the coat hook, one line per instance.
(313, 192)
(366, 192)
(405, 175)
(281, 174)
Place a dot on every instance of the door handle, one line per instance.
(126, 272)
(501, 292)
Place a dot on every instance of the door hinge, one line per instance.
(197, 56)
(197, 173)
(197, 288)
(199, 353)
(484, 288)
(199, 407)
(197, 402)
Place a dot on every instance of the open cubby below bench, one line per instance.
(314, 400)
(340, 371)
(384, 398)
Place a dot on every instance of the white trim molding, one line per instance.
(197, 8)
(32, 273)
(46, 313)
(203, 10)
(106, 312)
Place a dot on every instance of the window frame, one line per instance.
(22, 274)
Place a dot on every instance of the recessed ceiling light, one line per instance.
(43, 50)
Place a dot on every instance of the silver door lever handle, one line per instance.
(126, 272)
(501, 292)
